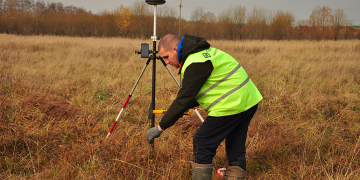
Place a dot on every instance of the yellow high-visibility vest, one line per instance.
(228, 90)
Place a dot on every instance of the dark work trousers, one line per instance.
(214, 130)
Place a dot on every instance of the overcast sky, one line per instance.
(300, 8)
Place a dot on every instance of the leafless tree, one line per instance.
(1, 6)
(196, 17)
(209, 27)
(321, 20)
(141, 23)
(340, 21)
(281, 25)
(257, 23)
(167, 20)
(232, 21)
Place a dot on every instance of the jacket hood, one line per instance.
(192, 44)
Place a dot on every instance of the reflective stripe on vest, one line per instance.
(227, 94)
(216, 84)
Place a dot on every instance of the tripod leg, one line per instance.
(162, 60)
(127, 100)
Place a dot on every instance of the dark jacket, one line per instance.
(195, 76)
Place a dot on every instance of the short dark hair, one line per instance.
(169, 41)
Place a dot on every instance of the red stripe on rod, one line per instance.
(127, 100)
(113, 126)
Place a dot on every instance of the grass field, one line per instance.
(59, 97)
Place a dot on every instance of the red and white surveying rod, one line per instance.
(197, 112)
(112, 127)
(127, 100)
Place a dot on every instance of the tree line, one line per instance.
(26, 17)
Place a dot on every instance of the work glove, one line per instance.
(152, 133)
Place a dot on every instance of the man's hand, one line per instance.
(153, 133)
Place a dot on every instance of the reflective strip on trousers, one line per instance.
(217, 83)
(227, 94)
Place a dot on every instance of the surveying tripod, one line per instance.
(145, 52)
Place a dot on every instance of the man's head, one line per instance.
(168, 49)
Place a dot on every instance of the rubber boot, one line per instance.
(235, 173)
(201, 171)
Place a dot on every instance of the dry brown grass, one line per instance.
(59, 96)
